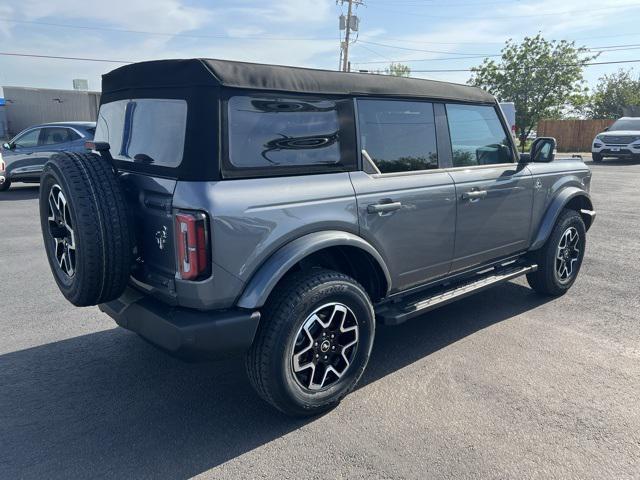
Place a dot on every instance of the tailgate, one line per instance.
(150, 200)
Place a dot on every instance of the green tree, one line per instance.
(613, 93)
(538, 75)
(398, 70)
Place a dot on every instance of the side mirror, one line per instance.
(7, 146)
(543, 149)
(606, 129)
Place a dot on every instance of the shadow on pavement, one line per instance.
(20, 193)
(108, 404)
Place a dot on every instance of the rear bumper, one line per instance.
(184, 332)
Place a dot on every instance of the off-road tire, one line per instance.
(5, 185)
(268, 362)
(597, 158)
(102, 231)
(545, 280)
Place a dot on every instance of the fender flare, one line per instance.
(551, 215)
(277, 265)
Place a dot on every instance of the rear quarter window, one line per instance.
(148, 131)
(288, 134)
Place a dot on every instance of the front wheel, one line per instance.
(597, 158)
(4, 186)
(560, 258)
(313, 342)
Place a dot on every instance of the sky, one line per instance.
(425, 34)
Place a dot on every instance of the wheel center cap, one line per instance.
(325, 346)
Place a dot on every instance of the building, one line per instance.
(21, 107)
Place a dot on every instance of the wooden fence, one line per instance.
(572, 135)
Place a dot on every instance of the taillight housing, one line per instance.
(192, 245)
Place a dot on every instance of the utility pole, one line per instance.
(350, 24)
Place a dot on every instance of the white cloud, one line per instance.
(160, 15)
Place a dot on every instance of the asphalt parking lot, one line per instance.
(504, 384)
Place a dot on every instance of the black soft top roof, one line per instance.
(215, 73)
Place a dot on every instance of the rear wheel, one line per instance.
(85, 227)
(597, 158)
(313, 342)
(4, 186)
(560, 258)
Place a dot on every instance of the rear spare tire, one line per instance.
(86, 228)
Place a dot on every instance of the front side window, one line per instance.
(145, 130)
(276, 133)
(28, 140)
(398, 136)
(477, 136)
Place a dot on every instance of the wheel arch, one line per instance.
(573, 198)
(338, 250)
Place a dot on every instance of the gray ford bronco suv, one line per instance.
(280, 213)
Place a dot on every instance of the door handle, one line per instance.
(474, 195)
(384, 207)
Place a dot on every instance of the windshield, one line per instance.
(626, 124)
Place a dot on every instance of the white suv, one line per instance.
(620, 140)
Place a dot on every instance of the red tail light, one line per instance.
(192, 247)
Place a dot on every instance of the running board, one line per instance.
(394, 313)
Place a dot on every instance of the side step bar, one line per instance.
(398, 312)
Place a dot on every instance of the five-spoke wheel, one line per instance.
(567, 254)
(61, 231)
(325, 346)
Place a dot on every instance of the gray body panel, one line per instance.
(558, 182)
(416, 240)
(260, 228)
(498, 224)
(251, 219)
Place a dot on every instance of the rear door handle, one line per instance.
(384, 207)
(474, 195)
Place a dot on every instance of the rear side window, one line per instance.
(398, 136)
(272, 135)
(148, 131)
(55, 135)
(477, 136)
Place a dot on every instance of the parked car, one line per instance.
(620, 140)
(25, 155)
(281, 212)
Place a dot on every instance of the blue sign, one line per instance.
(2, 102)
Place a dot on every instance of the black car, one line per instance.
(23, 157)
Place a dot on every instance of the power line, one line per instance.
(605, 49)
(501, 17)
(57, 57)
(275, 38)
(421, 49)
(161, 34)
(533, 67)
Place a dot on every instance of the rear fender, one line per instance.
(271, 272)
